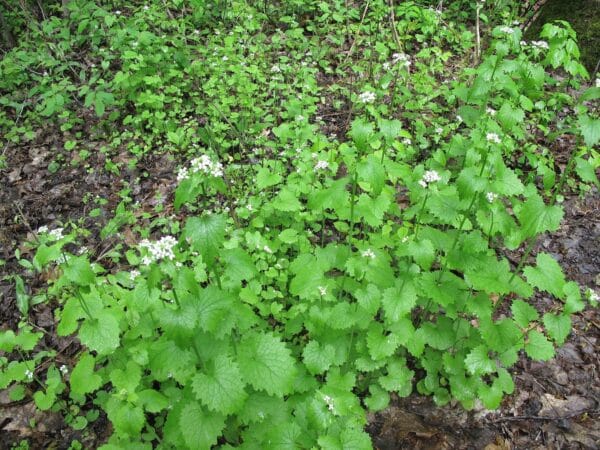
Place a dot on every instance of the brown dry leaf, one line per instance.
(572, 405)
(588, 438)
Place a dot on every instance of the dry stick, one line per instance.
(362, 19)
(478, 36)
(393, 19)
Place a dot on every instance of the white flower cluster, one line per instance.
(63, 369)
(29, 375)
(55, 234)
(431, 176)
(491, 196)
(329, 402)
(506, 29)
(368, 253)
(201, 164)
(592, 295)
(322, 291)
(540, 44)
(401, 59)
(490, 111)
(163, 248)
(321, 165)
(367, 97)
(597, 82)
(493, 137)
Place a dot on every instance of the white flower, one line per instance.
(43, 229)
(117, 12)
(523, 43)
(597, 82)
(201, 164)
(56, 234)
(249, 207)
(321, 165)
(431, 176)
(299, 118)
(225, 58)
(161, 249)
(83, 250)
(386, 66)
(506, 29)
(367, 97)
(133, 274)
(63, 369)
(146, 7)
(368, 253)
(29, 375)
(402, 59)
(322, 291)
(406, 141)
(182, 174)
(329, 402)
(490, 111)
(268, 250)
(540, 44)
(439, 130)
(592, 295)
(491, 196)
(493, 137)
(459, 118)
(275, 69)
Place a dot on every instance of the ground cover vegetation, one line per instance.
(349, 179)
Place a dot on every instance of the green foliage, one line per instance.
(302, 279)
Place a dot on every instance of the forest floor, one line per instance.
(556, 405)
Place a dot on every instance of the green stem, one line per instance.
(418, 219)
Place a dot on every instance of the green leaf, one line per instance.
(509, 116)
(372, 210)
(380, 345)
(371, 175)
(423, 252)
(590, 129)
(79, 271)
(478, 361)
(501, 335)
(547, 276)
(200, 429)
(206, 234)
(558, 327)
(390, 129)
(287, 201)
(21, 295)
(538, 347)
(238, 265)
(266, 177)
(215, 310)
(523, 313)
(379, 398)
(317, 358)
(127, 419)
(83, 378)
(361, 132)
(399, 301)
(44, 400)
(221, 388)
(153, 401)
(101, 333)
(490, 275)
(537, 217)
(266, 363)
(398, 378)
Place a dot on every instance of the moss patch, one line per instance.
(584, 17)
